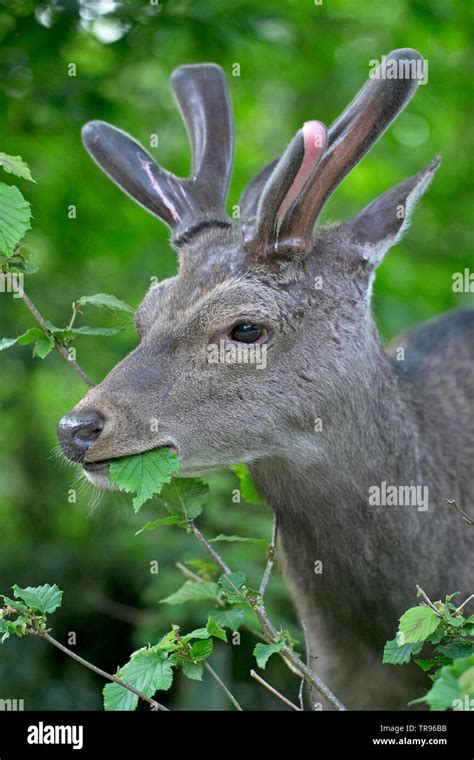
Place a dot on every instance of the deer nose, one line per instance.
(78, 431)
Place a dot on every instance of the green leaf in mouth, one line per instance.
(144, 474)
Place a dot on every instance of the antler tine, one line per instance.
(350, 137)
(128, 164)
(202, 97)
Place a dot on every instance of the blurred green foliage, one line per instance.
(298, 60)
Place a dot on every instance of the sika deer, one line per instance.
(330, 418)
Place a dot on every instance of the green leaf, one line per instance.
(42, 598)
(443, 692)
(457, 621)
(201, 650)
(96, 330)
(246, 484)
(207, 570)
(233, 586)
(192, 670)
(232, 617)
(7, 342)
(193, 592)
(393, 654)
(43, 347)
(436, 637)
(216, 630)
(456, 648)
(198, 633)
(15, 218)
(144, 474)
(34, 333)
(426, 665)
(230, 539)
(170, 520)
(148, 671)
(19, 606)
(15, 165)
(106, 301)
(417, 623)
(263, 652)
(184, 497)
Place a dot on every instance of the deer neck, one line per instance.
(320, 489)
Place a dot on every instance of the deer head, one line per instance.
(260, 306)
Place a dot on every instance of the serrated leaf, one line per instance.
(7, 342)
(144, 474)
(232, 618)
(201, 650)
(263, 652)
(247, 488)
(233, 586)
(15, 165)
(42, 598)
(241, 539)
(106, 301)
(216, 630)
(193, 592)
(417, 624)
(393, 654)
(184, 497)
(192, 670)
(170, 520)
(15, 218)
(43, 347)
(148, 671)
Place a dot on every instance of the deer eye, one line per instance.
(248, 332)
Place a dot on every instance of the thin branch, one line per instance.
(288, 655)
(428, 600)
(461, 606)
(58, 344)
(308, 662)
(45, 635)
(223, 686)
(270, 559)
(210, 549)
(467, 518)
(276, 693)
(197, 579)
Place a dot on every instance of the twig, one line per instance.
(45, 635)
(220, 562)
(467, 518)
(461, 606)
(288, 655)
(274, 691)
(58, 344)
(270, 559)
(308, 663)
(223, 686)
(197, 579)
(428, 600)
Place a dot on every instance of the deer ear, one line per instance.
(383, 222)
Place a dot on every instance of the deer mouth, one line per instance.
(98, 472)
(97, 467)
